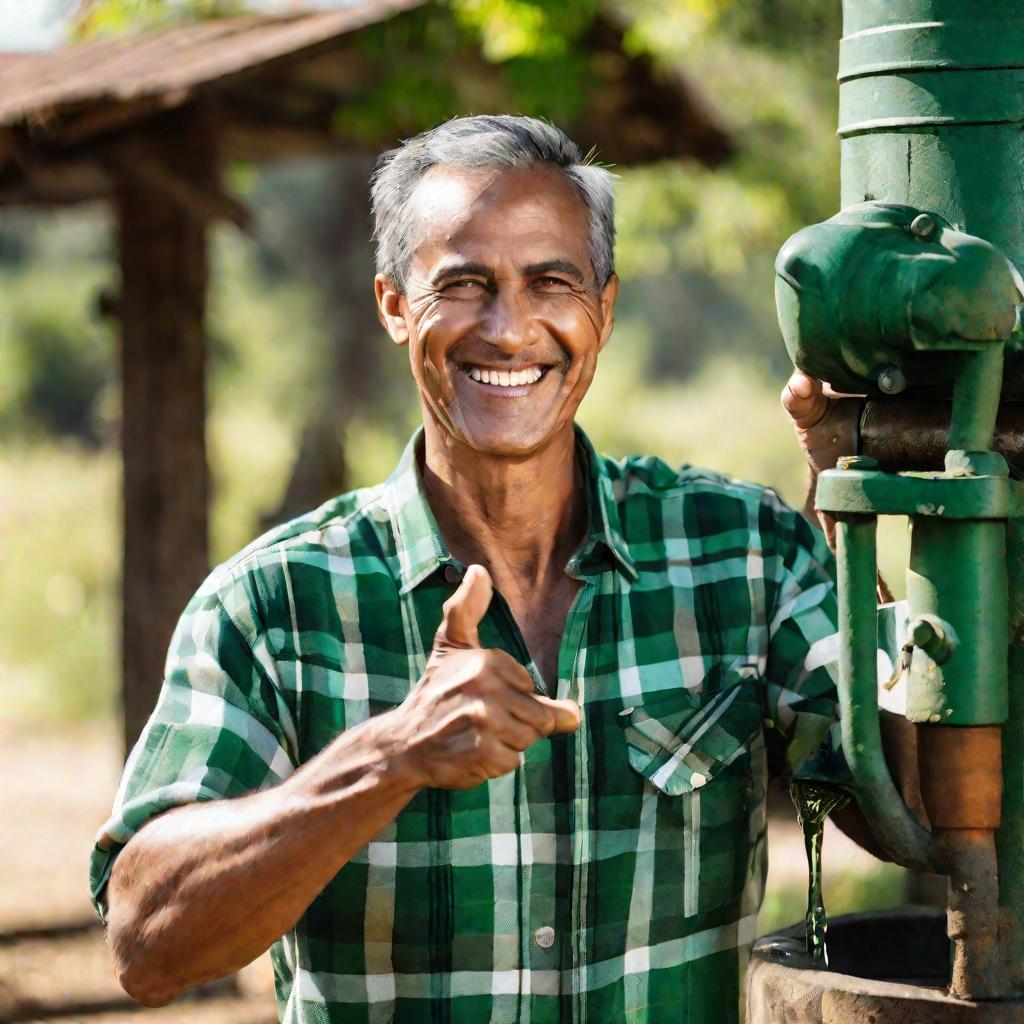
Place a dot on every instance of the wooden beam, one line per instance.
(31, 176)
(252, 138)
(202, 199)
(162, 306)
(73, 126)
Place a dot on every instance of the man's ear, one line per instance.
(391, 309)
(608, 297)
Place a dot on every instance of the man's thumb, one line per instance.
(466, 607)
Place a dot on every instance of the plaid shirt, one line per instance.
(616, 875)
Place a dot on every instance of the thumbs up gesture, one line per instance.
(474, 710)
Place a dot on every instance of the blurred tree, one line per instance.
(55, 375)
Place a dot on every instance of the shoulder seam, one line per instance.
(237, 563)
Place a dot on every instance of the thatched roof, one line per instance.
(173, 65)
(272, 86)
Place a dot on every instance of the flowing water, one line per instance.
(814, 803)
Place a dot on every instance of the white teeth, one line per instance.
(506, 378)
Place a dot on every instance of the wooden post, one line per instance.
(162, 306)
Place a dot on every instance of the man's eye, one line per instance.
(551, 283)
(463, 284)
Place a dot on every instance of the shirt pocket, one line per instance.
(704, 760)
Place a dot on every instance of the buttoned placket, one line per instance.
(547, 943)
(572, 685)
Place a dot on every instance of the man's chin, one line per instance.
(506, 443)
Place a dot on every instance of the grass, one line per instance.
(58, 592)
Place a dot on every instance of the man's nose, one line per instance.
(506, 323)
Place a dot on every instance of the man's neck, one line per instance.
(520, 517)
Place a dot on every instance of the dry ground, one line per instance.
(57, 789)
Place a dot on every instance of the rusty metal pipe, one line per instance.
(908, 434)
(960, 771)
(972, 911)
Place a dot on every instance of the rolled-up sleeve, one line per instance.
(802, 643)
(221, 727)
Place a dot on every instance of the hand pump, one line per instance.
(910, 293)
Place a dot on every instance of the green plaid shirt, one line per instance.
(616, 875)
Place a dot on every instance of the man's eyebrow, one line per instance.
(564, 266)
(454, 270)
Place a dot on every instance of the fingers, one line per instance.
(513, 731)
(546, 715)
(828, 526)
(566, 713)
(500, 666)
(804, 400)
(465, 608)
(532, 711)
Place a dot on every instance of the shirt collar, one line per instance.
(420, 548)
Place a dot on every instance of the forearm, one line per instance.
(204, 889)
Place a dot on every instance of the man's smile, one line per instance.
(508, 383)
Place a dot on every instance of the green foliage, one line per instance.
(125, 17)
(509, 29)
(56, 357)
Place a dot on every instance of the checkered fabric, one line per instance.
(616, 875)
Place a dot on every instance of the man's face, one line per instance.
(501, 311)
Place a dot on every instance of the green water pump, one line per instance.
(911, 292)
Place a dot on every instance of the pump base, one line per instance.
(888, 967)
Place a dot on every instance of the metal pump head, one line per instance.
(882, 297)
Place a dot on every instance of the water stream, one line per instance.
(814, 802)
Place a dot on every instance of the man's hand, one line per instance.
(825, 430)
(474, 711)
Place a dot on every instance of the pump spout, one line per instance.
(898, 832)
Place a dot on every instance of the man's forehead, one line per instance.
(470, 211)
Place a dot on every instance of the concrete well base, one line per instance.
(888, 967)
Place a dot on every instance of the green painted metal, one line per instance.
(967, 169)
(957, 573)
(960, 43)
(919, 494)
(898, 832)
(883, 287)
(914, 287)
(929, 99)
(948, 140)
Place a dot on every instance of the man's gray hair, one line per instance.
(487, 140)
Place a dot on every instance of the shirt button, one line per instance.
(544, 937)
(452, 574)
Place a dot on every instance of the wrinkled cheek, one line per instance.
(576, 315)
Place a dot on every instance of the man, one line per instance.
(496, 733)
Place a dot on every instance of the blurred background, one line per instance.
(717, 115)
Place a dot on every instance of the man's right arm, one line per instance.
(203, 889)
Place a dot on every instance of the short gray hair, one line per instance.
(488, 140)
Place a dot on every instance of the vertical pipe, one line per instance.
(898, 832)
(976, 400)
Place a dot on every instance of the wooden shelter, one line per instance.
(149, 123)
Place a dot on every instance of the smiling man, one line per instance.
(487, 742)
